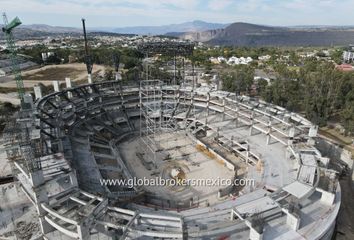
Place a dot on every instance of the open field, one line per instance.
(54, 73)
(46, 74)
(10, 97)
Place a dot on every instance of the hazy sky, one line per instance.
(118, 13)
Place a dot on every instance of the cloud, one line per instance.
(157, 12)
(217, 5)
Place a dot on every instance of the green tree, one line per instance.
(238, 79)
(108, 74)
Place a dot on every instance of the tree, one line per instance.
(347, 116)
(321, 93)
(261, 86)
(238, 79)
(53, 59)
(108, 74)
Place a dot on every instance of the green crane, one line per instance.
(16, 71)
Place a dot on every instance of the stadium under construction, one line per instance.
(62, 145)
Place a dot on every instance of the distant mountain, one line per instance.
(236, 34)
(51, 29)
(34, 31)
(37, 31)
(245, 34)
(195, 26)
(203, 36)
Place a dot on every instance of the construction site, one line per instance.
(62, 146)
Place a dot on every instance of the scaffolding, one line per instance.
(150, 95)
(22, 142)
(172, 49)
(157, 106)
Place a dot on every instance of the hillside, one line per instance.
(203, 36)
(51, 29)
(244, 34)
(38, 31)
(194, 26)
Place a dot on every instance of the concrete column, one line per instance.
(68, 85)
(254, 235)
(89, 78)
(83, 231)
(292, 221)
(56, 86)
(208, 102)
(291, 132)
(248, 154)
(251, 127)
(232, 215)
(291, 135)
(269, 132)
(137, 220)
(313, 131)
(327, 197)
(236, 119)
(224, 109)
(40, 196)
(312, 134)
(118, 76)
(68, 82)
(73, 179)
(256, 232)
(268, 139)
(37, 92)
(324, 161)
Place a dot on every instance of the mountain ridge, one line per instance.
(247, 34)
(235, 34)
(192, 26)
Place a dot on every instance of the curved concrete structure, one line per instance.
(80, 129)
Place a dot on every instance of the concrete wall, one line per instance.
(336, 154)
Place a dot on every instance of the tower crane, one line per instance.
(15, 68)
(88, 59)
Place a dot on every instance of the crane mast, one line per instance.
(87, 56)
(15, 68)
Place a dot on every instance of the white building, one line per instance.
(348, 56)
(237, 61)
(264, 58)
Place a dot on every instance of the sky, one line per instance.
(121, 13)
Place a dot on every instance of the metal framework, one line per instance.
(167, 48)
(22, 143)
(173, 49)
(150, 95)
(7, 29)
(155, 111)
(86, 214)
